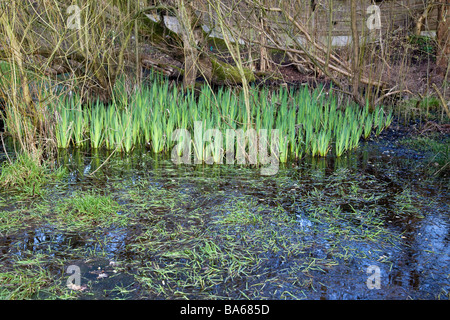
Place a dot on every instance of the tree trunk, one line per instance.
(187, 22)
(443, 36)
(355, 50)
(421, 19)
(264, 61)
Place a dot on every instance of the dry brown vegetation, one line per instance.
(280, 41)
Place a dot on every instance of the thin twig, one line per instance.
(4, 148)
(444, 105)
(106, 160)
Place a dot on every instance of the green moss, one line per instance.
(157, 32)
(216, 43)
(225, 72)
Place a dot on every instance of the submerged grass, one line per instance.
(27, 177)
(88, 209)
(193, 235)
(29, 282)
(222, 244)
(436, 149)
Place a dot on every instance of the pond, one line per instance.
(367, 225)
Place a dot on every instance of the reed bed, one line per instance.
(309, 122)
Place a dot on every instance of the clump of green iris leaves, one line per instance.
(310, 122)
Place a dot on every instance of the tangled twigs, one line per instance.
(431, 126)
(444, 105)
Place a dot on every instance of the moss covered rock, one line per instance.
(227, 73)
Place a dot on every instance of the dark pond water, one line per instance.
(370, 225)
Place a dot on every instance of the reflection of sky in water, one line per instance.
(436, 230)
(416, 267)
(39, 240)
(87, 169)
(52, 242)
(422, 265)
(433, 236)
(114, 241)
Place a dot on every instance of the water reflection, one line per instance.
(52, 242)
(415, 265)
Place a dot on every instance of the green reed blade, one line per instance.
(78, 119)
(96, 125)
(64, 125)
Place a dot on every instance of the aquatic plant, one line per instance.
(27, 176)
(97, 125)
(388, 119)
(342, 140)
(157, 130)
(368, 124)
(378, 121)
(78, 120)
(309, 121)
(323, 142)
(88, 208)
(110, 127)
(63, 124)
(126, 130)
